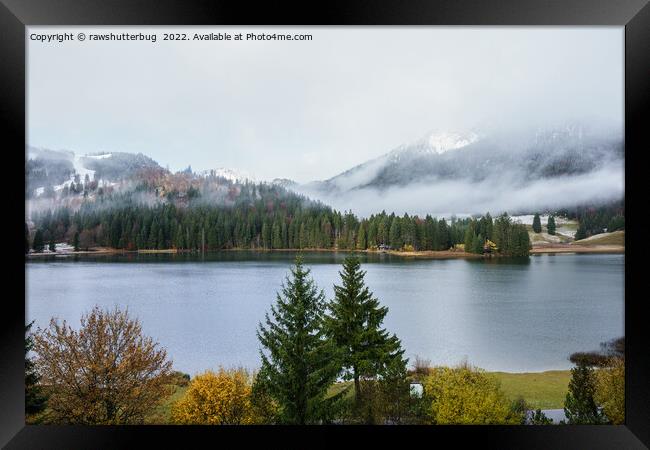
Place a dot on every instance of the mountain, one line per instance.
(56, 170)
(443, 173)
(476, 157)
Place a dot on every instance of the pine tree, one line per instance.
(361, 237)
(266, 235)
(469, 238)
(354, 325)
(277, 237)
(35, 399)
(38, 245)
(579, 405)
(300, 362)
(581, 233)
(479, 242)
(394, 234)
(550, 226)
(443, 237)
(537, 224)
(51, 246)
(75, 241)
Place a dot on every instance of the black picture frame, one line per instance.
(634, 15)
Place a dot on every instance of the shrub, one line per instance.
(539, 418)
(221, 398)
(466, 395)
(421, 366)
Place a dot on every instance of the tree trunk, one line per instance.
(357, 388)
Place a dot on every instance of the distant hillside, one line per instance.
(117, 165)
(50, 173)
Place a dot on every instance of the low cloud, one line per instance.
(505, 193)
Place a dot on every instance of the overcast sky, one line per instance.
(311, 109)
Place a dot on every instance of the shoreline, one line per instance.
(428, 254)
(571, 249)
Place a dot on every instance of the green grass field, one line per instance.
(545, 390)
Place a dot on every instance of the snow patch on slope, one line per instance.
(101, 156)
(443, 142)
(233, 175)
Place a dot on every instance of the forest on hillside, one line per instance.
(260, 216)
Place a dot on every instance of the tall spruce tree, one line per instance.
(550, 225)
(35, 399)
(537, 223)
(579, 405)
(581, 233)
(300, 362)
(39, 244)
(75, 241)
(361, 237)
(354, 323)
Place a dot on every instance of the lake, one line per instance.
(516, 315)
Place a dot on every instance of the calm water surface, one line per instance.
(510, 315)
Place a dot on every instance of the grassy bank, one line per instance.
(614, 238)
(545, 390)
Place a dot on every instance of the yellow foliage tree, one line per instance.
(107, 372)
(467, 395)
(222, 398)
(610, 390)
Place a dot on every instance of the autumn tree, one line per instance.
(610, 390)
(107, 372)
(86, 240)
(300, 362)
(221, 398)
(466, 395)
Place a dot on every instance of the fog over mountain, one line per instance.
(444, 172)
(474, 171)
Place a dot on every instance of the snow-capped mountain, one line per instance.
(476, 156)
(436, 143)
